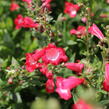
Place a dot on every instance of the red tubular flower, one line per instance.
(81, 104)
(71, 9)
(29, 23)
(94, 30)
(80, 32)
(64, 85)
(106, 81)
(64, 93)
(31, 64)
(77, 67)
(19, 21)
(71, 82)
(50, 86)
(54, 55)
(14, 6)
(49, 75)
(25, 22)
(32, 60)
(68, 83)
(44, 69)
(106, 85)
(38, 54)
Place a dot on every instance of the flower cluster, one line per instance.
(40, 59)
(50, 60)
(81, 31)
(25, 22)
(71, 9)
(49, 55)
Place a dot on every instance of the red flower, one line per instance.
(29, 23)
(46, 4)
(106, 81)
(77, 67)
(31, 64)
(27, 1)
(64, 85)
(32, 60)
(64, 93)
(19, 21)
(50, 86)
(14, 6)
(71, 82)
(80, 32)
(44, 69)
(54, 55)
(47, 1)
(68, 83)
(38, 54)
(50, 54)
(94, 30)
(49, 75)
(25, 22)
(106, 85)
(71, 9)
(81, 104)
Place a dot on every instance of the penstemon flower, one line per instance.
(81, 104)
(46, 4)
(80, 32)
(29, 23)
(54, 55)
(25, 22)
(50, 86)
(106, 81)
(18, 21)
(14, 6)
(76, 67)
(71, 9)
(30, 63)
(65, 85)
(94, 30)
(64, 93)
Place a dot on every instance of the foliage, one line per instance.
(22, 89)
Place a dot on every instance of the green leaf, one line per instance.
(9, 23)
(33, 46)
(15, 63)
